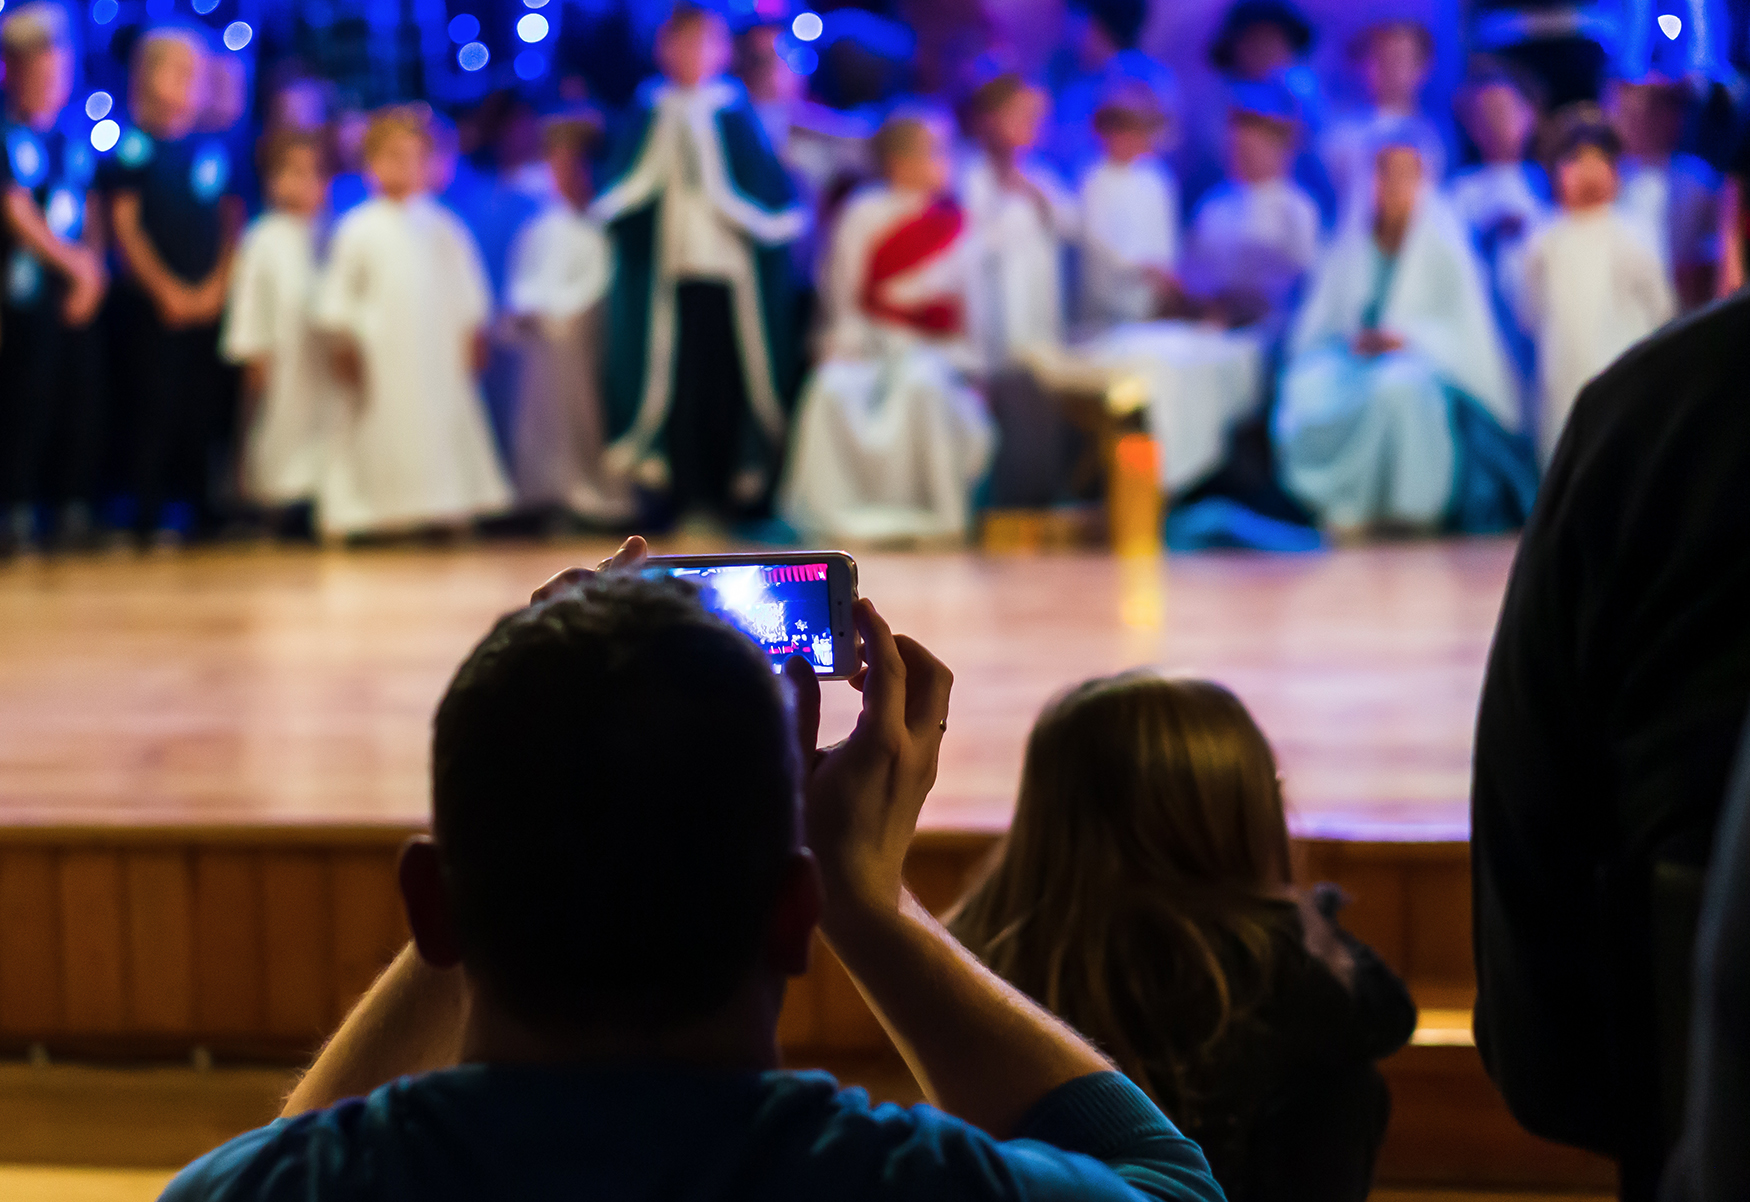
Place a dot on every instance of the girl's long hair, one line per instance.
(1142, 889)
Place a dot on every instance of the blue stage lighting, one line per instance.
(803, 60)
(464, 28)
(105, 134)
(531, 65)
(532, 27)
(160, 10)
(807, 26)
(535, 3)
(473, 56)
(203, 7)
(104, 11)
(98, 104)
(237, 35)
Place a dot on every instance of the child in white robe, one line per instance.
(1130, 216)
(1672, 198)
(558, 275)
(1397, 407)
(406, 295)
(1020, 217)
(890, 440)
(1200, 378)
(1504, 199)
(1256, 235)
(289, 391)
(1393, 59)
(1593, 285)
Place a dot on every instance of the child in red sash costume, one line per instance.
(890, 439)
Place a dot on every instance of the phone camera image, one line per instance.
(785, 608)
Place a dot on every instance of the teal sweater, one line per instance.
(604, 1135)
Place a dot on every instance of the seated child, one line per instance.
(1130, 216)
(889, 439)
(1505, 198)
(53, 280)
(1397, 403)
(1593, 286)
(1671, 197)
(558, 276)
(406, 298)
(1256, 234)
(176, 220)
(1020, 217)
(288, 390)
(1144, 892)
(1393, 59)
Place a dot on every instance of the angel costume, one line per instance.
(558, 274)
(701, 346)
(1199, 380)
(1422, 435)
(1015, 297)
(1593, 288)
(269, 315)
(889, 439)
(405, 282)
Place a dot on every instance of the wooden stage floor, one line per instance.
(295, 687)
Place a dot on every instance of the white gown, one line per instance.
(558, 275)
(1130, 223)
(1199, 380)
(269, 314)
(1593, 288)
(405, 281)
(1015, 296)
(1260, 238)
(889, 439)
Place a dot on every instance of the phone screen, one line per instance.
(784, 607)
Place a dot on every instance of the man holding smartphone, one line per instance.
(627, 863)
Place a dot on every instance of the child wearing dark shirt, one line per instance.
(53, 283)
(1143, 894)
(176, 222)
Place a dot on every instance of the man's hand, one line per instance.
(861, 798)
(631, 555)
(87, 283)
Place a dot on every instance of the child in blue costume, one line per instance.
(176, 223)
(53, 283)
(702, 356)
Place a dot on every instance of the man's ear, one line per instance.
(795, 914)
(428, 904)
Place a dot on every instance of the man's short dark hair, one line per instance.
(614, 802)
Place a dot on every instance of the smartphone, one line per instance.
(792, 603)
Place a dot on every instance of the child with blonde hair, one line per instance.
(405, 298)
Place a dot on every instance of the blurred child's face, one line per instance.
(298, 185)
(768, 77)
(922, 166)
(1259, 150)
(1395, 69)
(570, 175)
(1499, 121)
(1126, 144)
(1261, 50)
(693, 53)
(174, 90)
(1397, 182)
(400, 166)
(1014, 126)
(1586, 179)
(38, 85)
(1647, 119)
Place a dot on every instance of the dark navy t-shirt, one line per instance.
(57, 168)
(477, 1132)
(180, 184)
